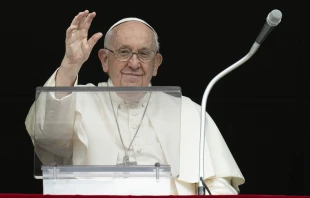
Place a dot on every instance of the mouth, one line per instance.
(130, 74)
(131, 79)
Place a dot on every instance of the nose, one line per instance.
(134, 61)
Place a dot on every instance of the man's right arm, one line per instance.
(49, 123)
(78, 49)
(51, 117)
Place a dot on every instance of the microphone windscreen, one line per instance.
(274, 17)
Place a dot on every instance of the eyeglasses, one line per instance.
(124, 55)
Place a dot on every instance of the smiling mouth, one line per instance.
(132, 74)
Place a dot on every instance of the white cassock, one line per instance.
(90, 121)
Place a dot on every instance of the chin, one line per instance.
(132, 84)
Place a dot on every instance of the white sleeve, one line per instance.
(45, 114)
(220, 186)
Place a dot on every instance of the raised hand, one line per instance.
(78, 47)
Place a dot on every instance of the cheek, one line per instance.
(115, 75)
(148, 72)
(115, 70)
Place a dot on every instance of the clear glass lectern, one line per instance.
(107, 140)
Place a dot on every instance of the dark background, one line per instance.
(261, 108)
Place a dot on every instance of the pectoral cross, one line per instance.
(126, 161)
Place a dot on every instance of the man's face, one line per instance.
(136, 37)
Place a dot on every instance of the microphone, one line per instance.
(273, 19)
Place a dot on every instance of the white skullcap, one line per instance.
(130, 19)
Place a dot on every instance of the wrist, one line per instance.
(66, 76)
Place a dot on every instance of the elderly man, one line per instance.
(131, 58)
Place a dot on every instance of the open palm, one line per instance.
(78, 46)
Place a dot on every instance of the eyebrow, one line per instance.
(128, 47)
(124, 46)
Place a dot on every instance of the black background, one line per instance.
(262, 107)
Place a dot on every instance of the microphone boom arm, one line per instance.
(252, 51)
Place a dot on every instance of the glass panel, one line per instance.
(87, 127)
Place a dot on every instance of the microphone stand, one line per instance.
(273, 19)
(201, 184)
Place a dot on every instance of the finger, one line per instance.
(69, 32)
(75, 23)
(82, 20)
(89, 20)
(77, 19)
(93, 40)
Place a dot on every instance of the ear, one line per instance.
(158, 61)
(103, 56)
